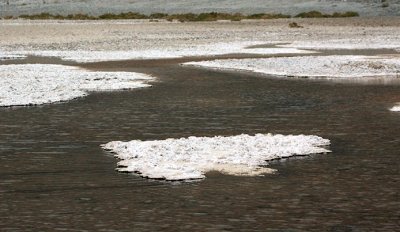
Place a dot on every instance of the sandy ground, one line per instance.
(139, 35)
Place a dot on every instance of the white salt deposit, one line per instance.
(168, 52)
(11, 56)
(33, 84)
(191, 158)
(312, 66)
(396, 108)
(370, 42)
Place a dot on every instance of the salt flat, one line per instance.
(92, 41)
(160, 53)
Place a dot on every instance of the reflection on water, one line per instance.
(54, 176)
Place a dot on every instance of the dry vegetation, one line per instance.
(294, 25)
(317, 14)
(187, 17)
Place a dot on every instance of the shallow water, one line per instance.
(54, 175)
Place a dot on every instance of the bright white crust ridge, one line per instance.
(34, 84)
(312, 66)
(396, 108)
(172, 52)
(10, 56)
(373, 42)
(191, 158)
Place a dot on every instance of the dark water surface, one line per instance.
(54, 176)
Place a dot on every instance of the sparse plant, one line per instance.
(127, 15)
(267, 16)
(310, 14)
(158, 16)
(345, 14)
(187, 17)
(294, 25)
(317, 14)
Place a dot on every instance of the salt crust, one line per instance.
(396, 108)
(312, 66)
(172, 52)
(192, 157)
(10, 56)
(376, 42)
(34, 84)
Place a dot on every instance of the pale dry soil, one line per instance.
(126, 35)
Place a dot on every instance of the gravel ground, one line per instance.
(292, 7)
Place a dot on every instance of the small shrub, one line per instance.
(8, 17)
(77, 17)
(158, 16)
(345, 14)
(214, 16)
(127, 15)
(182, 17)
(59, 17)
(317, 14)
(267, 16)
(310, 14)
(237, 17)
(294, 25)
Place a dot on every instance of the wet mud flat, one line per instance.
(54, 175)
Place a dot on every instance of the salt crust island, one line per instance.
(396, 108)
(193, 157)
(34, 84)
(322, 66)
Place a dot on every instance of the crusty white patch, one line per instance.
(312, 66)
(396, 108)
(34, 84)
(167, 52)
(10, 56)
(191, 158)
(370, 42)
